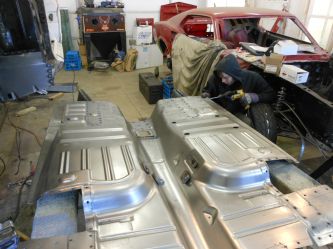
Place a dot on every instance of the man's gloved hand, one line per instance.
(205, 95)
(249, 98)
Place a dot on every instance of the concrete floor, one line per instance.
(119, 88)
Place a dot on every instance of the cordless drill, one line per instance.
(233, 95)
(238, 94)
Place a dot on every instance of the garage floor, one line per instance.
(119, 88)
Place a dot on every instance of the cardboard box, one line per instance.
(293, 74)
(273, 63)
(148, 56)
(143, 34)
(286, 47)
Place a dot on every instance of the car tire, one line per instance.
(263, 120)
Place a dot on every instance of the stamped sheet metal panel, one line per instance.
(154, 158)
(93, 152)
(92, 137)
(226, 162)
(82, 240)
(256, 217)
(218, 130)
(24, 74)
(244, 215)
(288, 236)
(220, 138)
(224, 199)
(157, 240)
(149, 225)
(233, 154)
(105, 163)
(315, 205)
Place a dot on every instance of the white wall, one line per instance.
(269, 4)
(53, 7)
(298, 8)
(151, 9)
(133, 9)
(136, 9)
(226, 3)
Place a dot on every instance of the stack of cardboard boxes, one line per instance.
(149, 55)
(274, 64)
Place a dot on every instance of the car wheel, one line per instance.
(263, 120)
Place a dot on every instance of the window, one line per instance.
(283, 26)
(320, 22)
(263, 31)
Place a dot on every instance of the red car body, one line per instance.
(223, 21)
(312, 101)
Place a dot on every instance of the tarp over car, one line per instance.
(193, 61)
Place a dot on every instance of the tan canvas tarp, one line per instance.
(193, 62)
